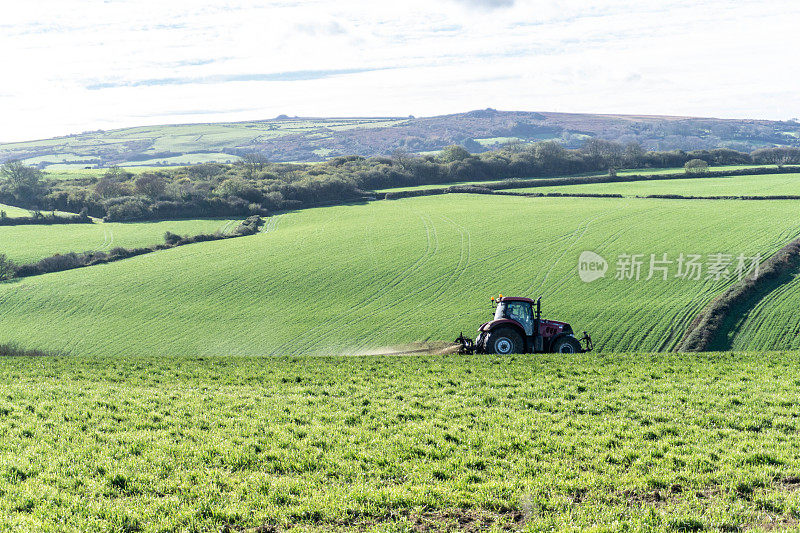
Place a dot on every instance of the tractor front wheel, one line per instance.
(504, 341)
(567, 344)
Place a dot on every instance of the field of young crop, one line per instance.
(538, 443)
(762, 185)
(351, 278)
(773, 323)
(25, 244)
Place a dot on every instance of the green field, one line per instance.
(351, 278)
(70, 173)
(433, 186)
(14, 212)
(25, 244)
(773, 321)
(681, 170)
(761, 185)
(642, 172)
(536, 443)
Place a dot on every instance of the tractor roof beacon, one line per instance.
(518, 327)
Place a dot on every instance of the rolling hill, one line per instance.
(316, 139)
(347, 279)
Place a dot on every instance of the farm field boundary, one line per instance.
(69, 261)
(488, 188)
(46, 219)
(709, 330)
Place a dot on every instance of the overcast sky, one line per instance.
(70, 66)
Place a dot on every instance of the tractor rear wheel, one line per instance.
(567, 344)
(504, 341)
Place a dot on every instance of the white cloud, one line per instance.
(99, 64)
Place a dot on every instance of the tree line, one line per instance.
(255, 186)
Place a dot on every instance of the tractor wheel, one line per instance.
(504, 341)
(567, 344)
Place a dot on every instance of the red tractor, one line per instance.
(518, 328)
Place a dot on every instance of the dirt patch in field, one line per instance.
(439, 521)
(774, 523)
(660, 496)
(465, 520)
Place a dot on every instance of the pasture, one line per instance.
(759, 185)
(26, 244)
(14, 212)
(67, 172)
(348, 279)
(536, 443)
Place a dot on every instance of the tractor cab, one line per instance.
(518, 327)
(519, 310)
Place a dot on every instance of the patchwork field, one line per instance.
(535, 443)
(25, 244)
(176, 144)
(760, 185)
(352, 278)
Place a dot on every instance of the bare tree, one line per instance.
(253, 162)
(402, 158)
(634, 153)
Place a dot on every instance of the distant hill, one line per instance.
(315, 139)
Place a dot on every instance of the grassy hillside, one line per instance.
(350, 278)
(536, 443)
(773, 322)
(763, 185)
(315, 139)
(25, 244)
(14, 212)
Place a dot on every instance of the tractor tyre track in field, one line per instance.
(573, 239)
(433, 244)
(366, 302)
(441, 285)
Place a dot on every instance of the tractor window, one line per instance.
(519, 311)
